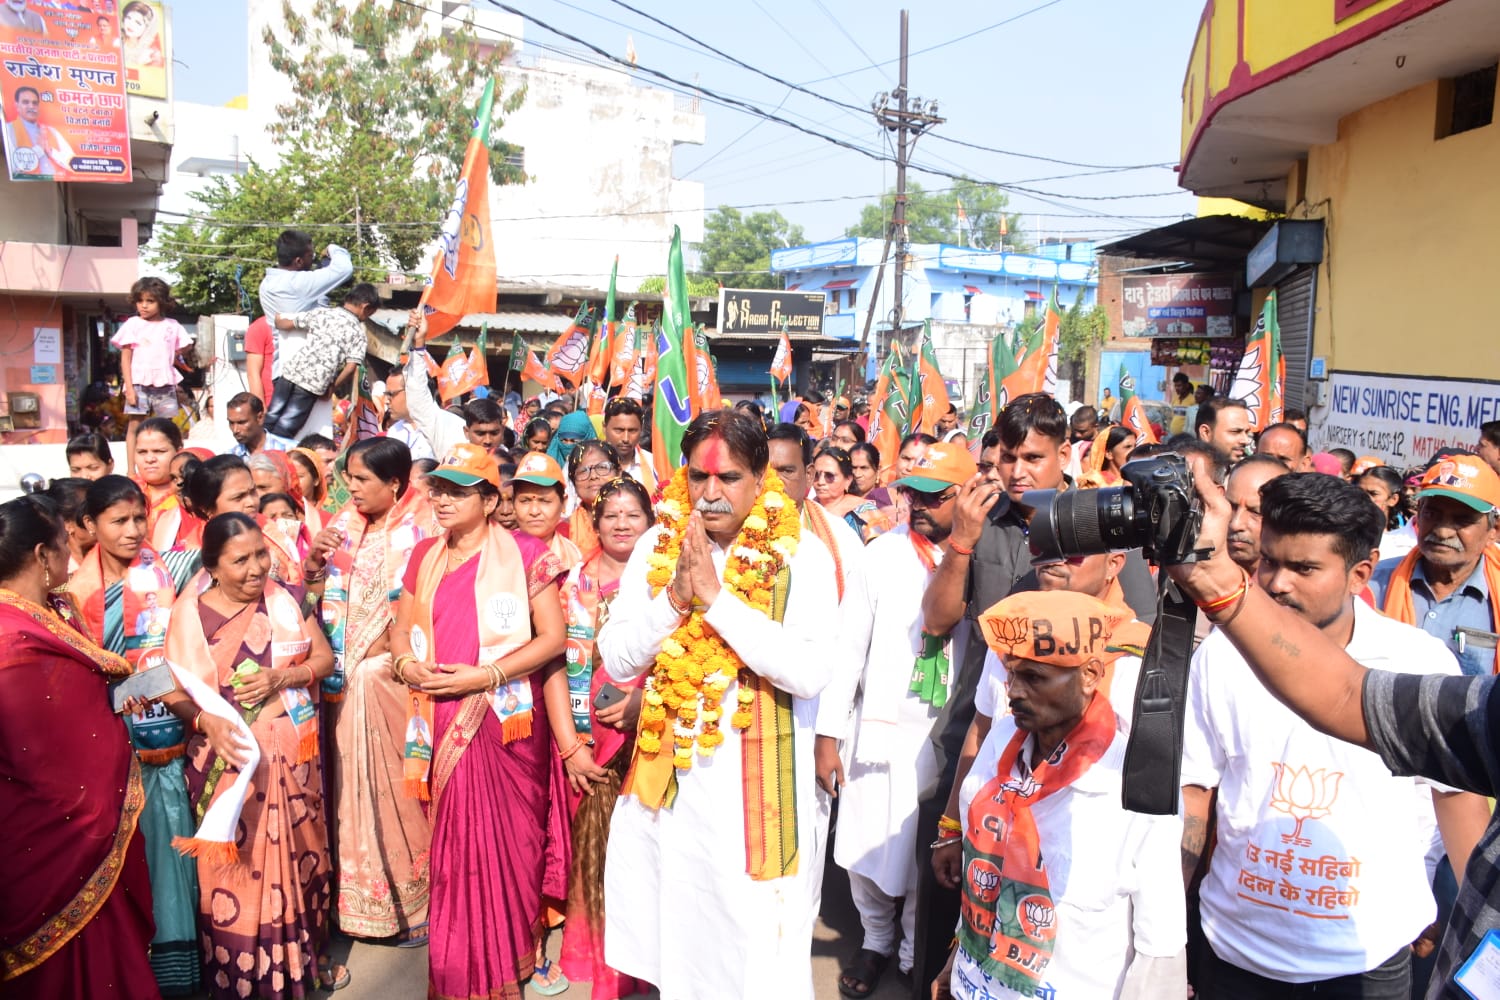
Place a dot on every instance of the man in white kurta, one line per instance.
(681, 910)
(890, 754)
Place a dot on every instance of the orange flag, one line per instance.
(709, 397)
(627, 350)
(458, 375)
(781, 364)
(463, 276)
(1132, 413)
(524, 360)
(931, 402)
(569, 354)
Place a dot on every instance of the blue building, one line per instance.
(969, 294)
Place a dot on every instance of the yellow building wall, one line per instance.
(1408, 281)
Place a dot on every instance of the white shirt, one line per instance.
(1115, 879)
(882, 629)
(641, 461)
(681, 911)
(442, 429)
(1346, 887)
(1399, 541)
(990, 697)
(416, 442)
(284, 291)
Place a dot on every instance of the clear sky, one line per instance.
(1094, 82)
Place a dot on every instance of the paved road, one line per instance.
(385, 973)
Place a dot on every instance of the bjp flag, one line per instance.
(524, 360)
(603, 348)
(709, 397)
(674, 404)
(626, 350)
(1261, 379)
(1038, 369)
(1132, 413)
(781, 364)
(890, 409)
(463, 276)
(992, 394)
(569, 354)
(931, 401)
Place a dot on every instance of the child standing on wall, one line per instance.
(149, 343)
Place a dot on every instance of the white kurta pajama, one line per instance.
(681, 912)
(891, 754)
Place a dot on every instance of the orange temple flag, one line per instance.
(463, 276)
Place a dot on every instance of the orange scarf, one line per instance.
(1398, 602)
(273, 630)
(407, 523)
(815, 517)
(166, 522)
(503, 604)
(581, 531)
(1008, 922)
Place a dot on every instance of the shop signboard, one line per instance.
(1178, 305)
(1402, 420)
(62, 87)
(748, 311)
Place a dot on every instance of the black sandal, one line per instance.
(864, 970)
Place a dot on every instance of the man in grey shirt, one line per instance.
(295, 285)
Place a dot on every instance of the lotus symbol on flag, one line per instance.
(1038, 918)
(1250, 382)
(1304, 795)
(570, 356)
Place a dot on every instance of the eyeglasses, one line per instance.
(826, 477)
(450, 496)
(597, 471)
(919, 499)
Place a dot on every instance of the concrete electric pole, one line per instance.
(908, 117)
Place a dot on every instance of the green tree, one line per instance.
(932, 216)
(736, 249)
(699, 286)
(369, 152)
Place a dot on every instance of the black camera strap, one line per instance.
(1153, 755)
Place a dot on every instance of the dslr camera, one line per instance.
(1156, 511)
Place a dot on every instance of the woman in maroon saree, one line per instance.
(479, 615)
(75, 913)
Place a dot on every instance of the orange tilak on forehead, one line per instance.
(714, 457)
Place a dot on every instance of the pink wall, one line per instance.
(50, 269)
(19, 318)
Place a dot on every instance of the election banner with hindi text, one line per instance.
(62, 86)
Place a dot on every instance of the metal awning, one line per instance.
(1213, 240)
(1033, 296)
(841, 283)
(972, 290)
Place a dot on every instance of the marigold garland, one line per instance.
(685, 690)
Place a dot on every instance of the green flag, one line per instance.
(672, 409)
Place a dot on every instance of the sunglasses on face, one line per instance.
(826, 477)
(919, 499)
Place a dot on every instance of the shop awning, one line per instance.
(971, 290)
(1033, 296)
(1213, 240)
(848, 283)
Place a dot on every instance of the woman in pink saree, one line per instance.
(479, 616)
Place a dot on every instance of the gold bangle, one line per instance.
(398, 666)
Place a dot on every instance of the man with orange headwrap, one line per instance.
(1064, 891)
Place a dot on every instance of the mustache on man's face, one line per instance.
(706, 506)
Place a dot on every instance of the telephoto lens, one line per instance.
(1156, 511)
(1082, 522)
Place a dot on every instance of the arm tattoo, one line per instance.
(1194, 837)
(1290, 648)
